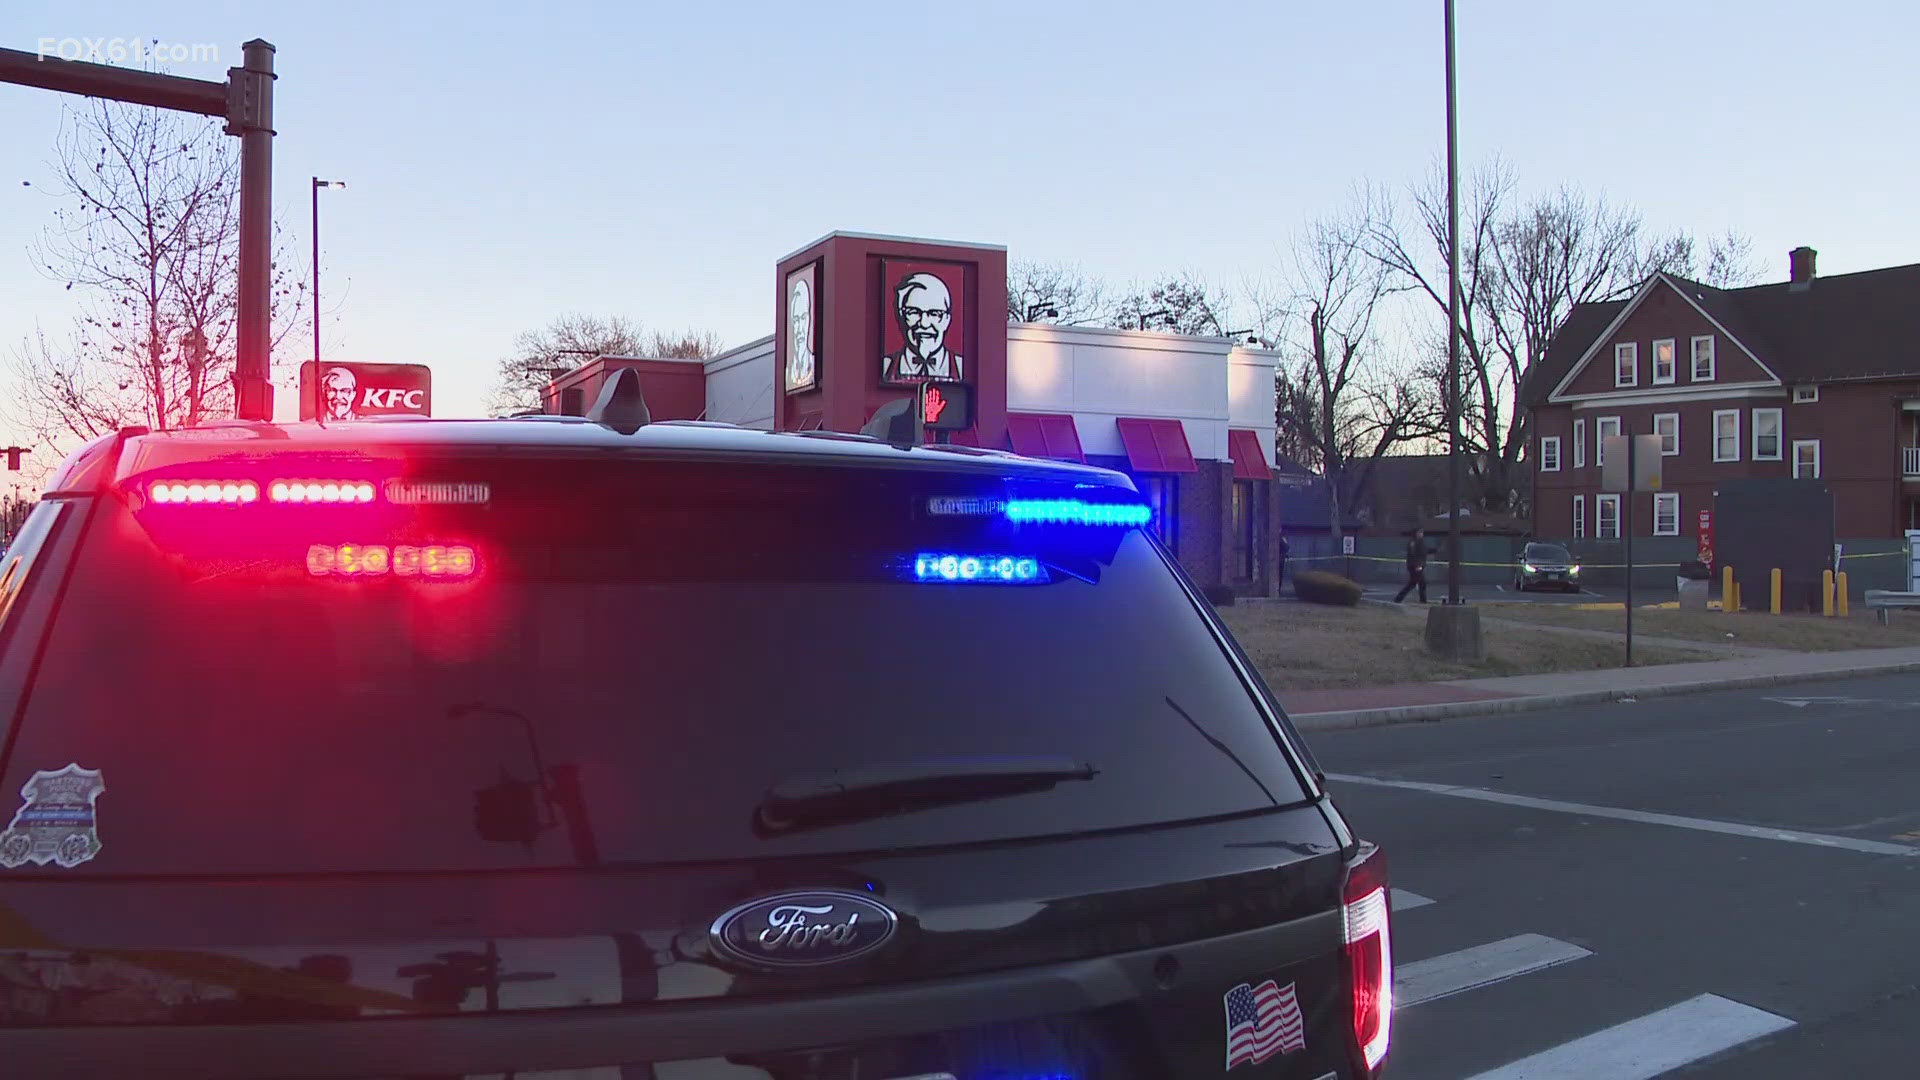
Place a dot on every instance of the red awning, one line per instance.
(1249, 461)
(1045, 435)
(1156, 446)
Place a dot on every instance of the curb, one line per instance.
(1449, 710)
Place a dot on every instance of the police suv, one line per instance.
(599, 748)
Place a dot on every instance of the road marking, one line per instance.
(1648, 1046)
(1402, 900)
(1482, 965)
(1644, 817)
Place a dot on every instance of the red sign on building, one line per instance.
(358, 391)
(1706, 538)
(924, 327)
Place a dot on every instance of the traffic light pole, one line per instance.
(245, 101)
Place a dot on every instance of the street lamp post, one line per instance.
(317, 185)
(1453, 327)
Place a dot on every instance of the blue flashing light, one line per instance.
(978, 569)
(1076, 512)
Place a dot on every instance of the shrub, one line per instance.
(1325, 587)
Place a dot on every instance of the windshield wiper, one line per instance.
(880, 790)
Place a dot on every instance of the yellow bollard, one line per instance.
(1840, 593)
(1826, 593)
(1775, 606)
(1729, 590)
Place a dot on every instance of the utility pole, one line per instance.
(245, 101)
(1453, 326)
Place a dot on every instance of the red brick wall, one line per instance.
(1859, 427)
(1666, 314)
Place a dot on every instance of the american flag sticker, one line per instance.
(1262, 1021)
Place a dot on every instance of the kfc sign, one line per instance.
(357, 391)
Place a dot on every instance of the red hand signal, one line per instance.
(934, 404)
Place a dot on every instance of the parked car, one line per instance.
(460, 748)
(1546, 566)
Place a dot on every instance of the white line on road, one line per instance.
(1644, 817)
(1482, 965)
(1649, 1045)
(1402, 900)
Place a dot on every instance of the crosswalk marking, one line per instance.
(1402, 900)
(1650, 1045)
(1481, 965)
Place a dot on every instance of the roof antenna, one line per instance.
(620, 405)
(897, 422)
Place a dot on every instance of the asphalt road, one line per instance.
(1733, 893)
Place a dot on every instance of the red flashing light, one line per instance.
(320, 491)
(211, 492)
(436, 561)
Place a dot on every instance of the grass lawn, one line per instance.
(1800, 633)
(1308, 646)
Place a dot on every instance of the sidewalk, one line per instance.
(1320, 710)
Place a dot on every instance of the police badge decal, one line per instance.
(56, 822)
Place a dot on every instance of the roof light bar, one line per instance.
(213, 492)
(1076, 512)
(320, 491)
(978, 569)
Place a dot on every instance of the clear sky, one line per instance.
(510, 163)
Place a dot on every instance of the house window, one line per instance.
(1248, 532)
(1666, 513)
(1579, 517)
(1163, 494)
(1579, 444)
(1806, 459)
(1550, 454)
(1726, 435)
(1663, 362)
(1703, 359)
(1626, 364)
(1667, 426)
(1606, 513)
(1603, 428)
(1766, 434)
(1806, 395)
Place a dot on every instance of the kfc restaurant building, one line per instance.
(863, 320)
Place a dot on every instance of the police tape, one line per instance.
(1583, 566)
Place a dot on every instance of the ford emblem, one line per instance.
(804, 929)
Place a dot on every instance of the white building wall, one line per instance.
(1250, 396)
(740, 385)
(1100, 375)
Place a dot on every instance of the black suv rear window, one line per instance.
(667, 641)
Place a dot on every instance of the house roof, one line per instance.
(1845, 326)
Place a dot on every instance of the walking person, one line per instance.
(1416, 567)
(1280, 572)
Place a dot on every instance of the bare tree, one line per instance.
(572, 340)
(148, 235)
(1182, 305)
(1055, 293)
(1344, 407)
(1522, 269)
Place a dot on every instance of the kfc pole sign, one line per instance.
(357, 391)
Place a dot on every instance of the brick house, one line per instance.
(1813, 377)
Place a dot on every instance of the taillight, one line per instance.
(1369, 950)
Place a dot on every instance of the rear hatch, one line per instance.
(383, 743)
